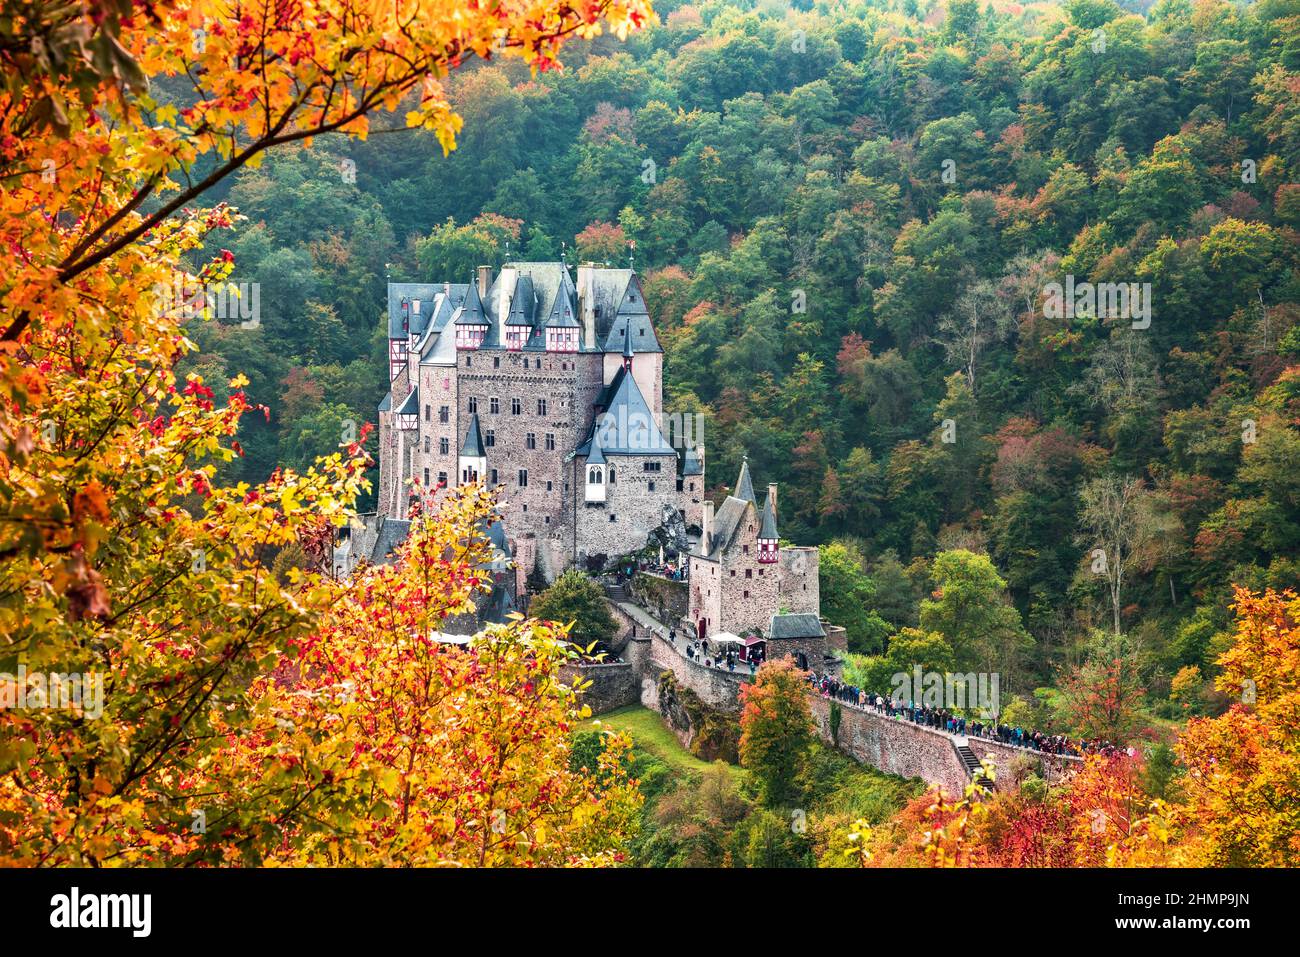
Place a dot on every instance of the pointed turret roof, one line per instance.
(744, 485)
(523, 304)
(472, 447)
(626, 426)
(564, 305)
(472, 312)
(596, 457)
(691, 465)
(767, 529)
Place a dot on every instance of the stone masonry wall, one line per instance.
(634, 503)
(800, 593)
(717, 688)
(896, 746)
(665, 598)
(1051, 768)
(613, 685)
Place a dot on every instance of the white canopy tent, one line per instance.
(725, 638)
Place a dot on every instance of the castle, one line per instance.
(551, 390)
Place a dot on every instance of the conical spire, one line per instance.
(767, 530)
(472, 447)
(744, 485)
(472, 313)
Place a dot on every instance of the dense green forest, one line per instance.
(846, 216)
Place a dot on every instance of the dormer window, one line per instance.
(767, 550)
(516, 336)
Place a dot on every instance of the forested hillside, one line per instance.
(847, 217)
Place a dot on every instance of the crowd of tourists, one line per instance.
(944, 719)
(725, 657)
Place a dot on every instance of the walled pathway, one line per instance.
(893, 744)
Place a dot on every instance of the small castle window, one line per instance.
(490, 439)
(550, 441)
(749, 573)
(516, 407)
(442, 478)
(444, 413)
(473, 406)
(496, 362)
(523, 478)
(426, 478)
(593, 475)
(611, 475)
(652, 486)
(494, 405)
(541, 406)
(613, 518)
(493, 472)
(530, 440)
(746, 592)
(444, 446)
(427, 442)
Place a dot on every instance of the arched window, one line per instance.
(611, 475)
(594, 476)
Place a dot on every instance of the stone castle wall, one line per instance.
(892, 745)
(612, 685)
(1007, 761)
(665, 598)
(800, 591)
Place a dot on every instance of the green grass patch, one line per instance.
(649, 734)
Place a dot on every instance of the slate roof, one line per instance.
(391, 534)
(386, 403)
(536, 294)
(725, 523)
(796, 626)
(426, 292)
(472, 447)
(691, 464)
(411, 404)
(471, 312)
(768, 528)
(625, 425)
(744, 484)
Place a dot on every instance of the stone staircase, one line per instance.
(968, 758)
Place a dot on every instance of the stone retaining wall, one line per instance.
(613, 684)
(1007, 761)
(665, 598)
(892, 745)
(717, 688)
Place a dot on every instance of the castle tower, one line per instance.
(768, 540)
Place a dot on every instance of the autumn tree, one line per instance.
(121, 554)
(1102, 698)
(776, 729)
(1244, 766)
(575, 600)
(1120, 521)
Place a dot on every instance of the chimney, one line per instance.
(771, 496)
(706, 527)
(484, 281)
